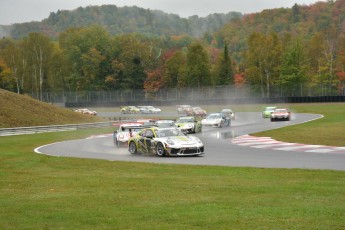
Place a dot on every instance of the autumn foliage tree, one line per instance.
(263, 59)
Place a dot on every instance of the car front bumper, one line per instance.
(185, 151)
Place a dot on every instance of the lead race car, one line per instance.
(281, 114)
(165, 142)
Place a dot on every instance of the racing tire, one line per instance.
(116, 143)
(132, 147)
(160, 151)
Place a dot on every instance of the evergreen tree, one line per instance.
(224, 68)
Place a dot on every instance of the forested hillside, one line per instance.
(289, 50)
(121, 20)
(300, 22)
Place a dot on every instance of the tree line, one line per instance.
(91, 59)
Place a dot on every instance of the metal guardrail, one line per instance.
(52, 128)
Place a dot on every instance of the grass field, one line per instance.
(43, 192)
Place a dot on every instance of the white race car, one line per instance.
(216, 120)
(165, 123)
(86, 111)
(124, 132)
(149, 109)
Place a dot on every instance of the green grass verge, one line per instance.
(43, 192)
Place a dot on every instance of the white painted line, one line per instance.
(246, 144)
(320, 151)
(274, 145)
(298, 147)
(339, 148)
(251, 140)
(260, 142)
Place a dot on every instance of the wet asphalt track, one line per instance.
(218, 148)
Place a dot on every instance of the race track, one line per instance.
(219, 149)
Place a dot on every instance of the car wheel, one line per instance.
(160, 151)
(132, 148)
(116, 143)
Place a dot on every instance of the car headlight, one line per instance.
(198, 140)
(170, 142)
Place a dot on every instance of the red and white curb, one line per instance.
(269, 143)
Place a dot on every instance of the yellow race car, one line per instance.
(165, 142)
(130, 109)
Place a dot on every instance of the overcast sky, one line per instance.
(18, 11)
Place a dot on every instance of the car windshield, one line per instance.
(185, 120)
(133, 129)
(169, 133)
(214, 116)
(280, 111)
(164, 123)
(270, 108)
